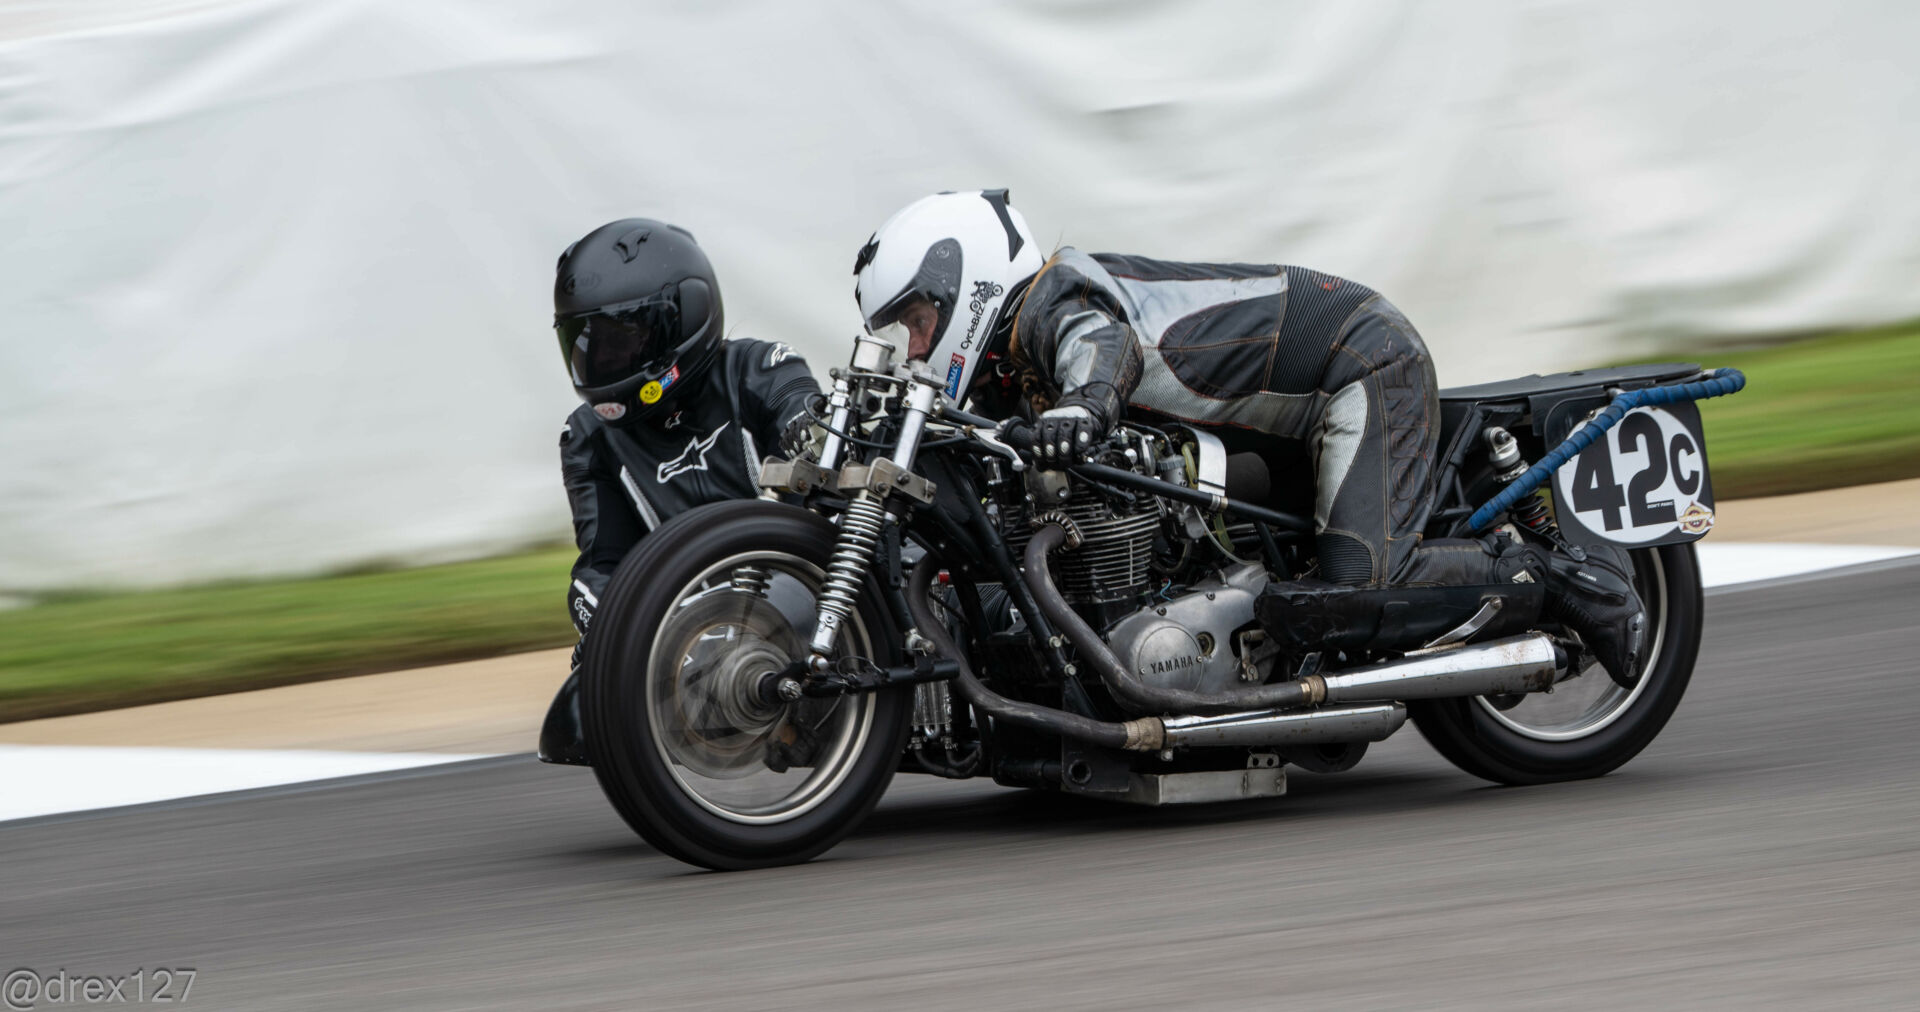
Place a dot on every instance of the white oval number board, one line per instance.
(1644, 482)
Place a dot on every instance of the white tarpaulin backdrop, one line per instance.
(277, 272)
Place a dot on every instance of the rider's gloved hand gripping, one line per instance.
(1068, 433)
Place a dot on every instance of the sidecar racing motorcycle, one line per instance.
(924, 595)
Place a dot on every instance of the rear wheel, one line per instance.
(683, 742)
(1588, 725)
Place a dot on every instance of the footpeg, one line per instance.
(1465, 630)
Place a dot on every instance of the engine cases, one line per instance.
(1189, 642)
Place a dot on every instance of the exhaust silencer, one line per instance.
(1517, 664)
(1287, 727)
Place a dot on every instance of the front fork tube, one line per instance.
(839, 413)
(860, 529)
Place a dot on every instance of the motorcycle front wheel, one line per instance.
(1587, 726)
(683, 740)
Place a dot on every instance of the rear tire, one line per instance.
(1528, 743)
(673, 750)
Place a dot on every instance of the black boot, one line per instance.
(1457, 578)
(1596, 599)
(562, 740)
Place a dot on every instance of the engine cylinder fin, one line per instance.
(1111, 561)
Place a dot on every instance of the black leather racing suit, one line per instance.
(1308, 359)
(623, 481)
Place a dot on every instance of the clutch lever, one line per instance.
(1007, 440)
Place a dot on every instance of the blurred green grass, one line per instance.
(68, 655)
(1823, 412)
(1817, 413)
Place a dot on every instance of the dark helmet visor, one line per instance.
(619, 342)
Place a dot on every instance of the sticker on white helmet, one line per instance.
(982, 292)
(955, 370)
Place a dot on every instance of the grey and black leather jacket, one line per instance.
(623, 481)
(1252, 346)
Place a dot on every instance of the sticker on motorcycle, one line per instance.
(1643, 483)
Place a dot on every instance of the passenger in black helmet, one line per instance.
(675, 416)
(1309, 365)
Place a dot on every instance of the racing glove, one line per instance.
(800, 437)
(1067, 434)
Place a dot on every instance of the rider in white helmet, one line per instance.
(1310, 365)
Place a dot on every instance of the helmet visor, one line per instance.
(909, 323)
(619, 342)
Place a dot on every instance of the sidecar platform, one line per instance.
(1627, 376)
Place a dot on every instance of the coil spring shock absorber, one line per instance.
(852, 554)
(1508, 465)
(751, 580)
(861, 523)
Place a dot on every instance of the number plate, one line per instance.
(1643, 483)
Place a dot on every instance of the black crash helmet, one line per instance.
(637, 310)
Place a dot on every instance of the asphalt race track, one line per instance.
(1764, 852)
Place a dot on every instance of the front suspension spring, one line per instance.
(852, 553)
(750, 580)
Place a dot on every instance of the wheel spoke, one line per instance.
(729, 750)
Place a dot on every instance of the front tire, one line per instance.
(682, 744)
(1594, 726)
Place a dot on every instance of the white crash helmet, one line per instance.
(964, 252)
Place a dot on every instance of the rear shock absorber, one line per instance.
(1503, 451)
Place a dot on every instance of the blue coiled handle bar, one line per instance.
(1718, 383)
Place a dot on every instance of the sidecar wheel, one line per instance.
(1588, 726)
(683, 743)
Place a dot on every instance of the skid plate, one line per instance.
(1195, 788)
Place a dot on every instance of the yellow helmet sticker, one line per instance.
(650, 393)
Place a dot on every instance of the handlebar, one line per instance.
(1019, 435)
(1013, 431)
(951, 413)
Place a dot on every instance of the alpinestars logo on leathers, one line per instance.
(694, 458)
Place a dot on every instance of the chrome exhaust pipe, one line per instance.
(1286, 727)
(1527, 663)
(1517, 664)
